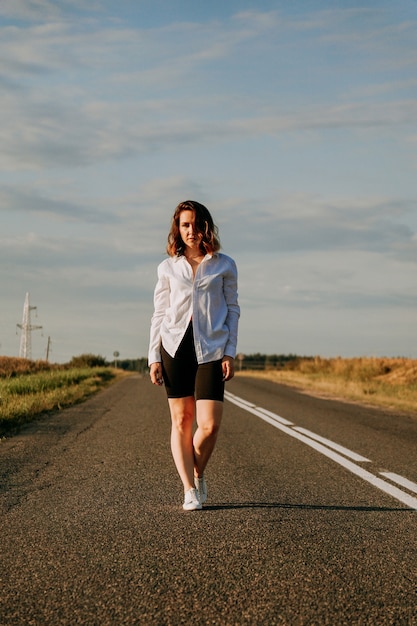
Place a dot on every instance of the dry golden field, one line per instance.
(14, 366)
(385, 382)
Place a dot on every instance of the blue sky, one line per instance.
(295, 123)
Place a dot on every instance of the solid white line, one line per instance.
(231, 397)
(391, 490)
(335, 446)
(256, 410)
(274, 416)
(400, 480)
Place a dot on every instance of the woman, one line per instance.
(193, 340)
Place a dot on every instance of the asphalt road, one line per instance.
(93, 533)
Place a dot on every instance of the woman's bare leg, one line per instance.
(209, 416)
(182, 419)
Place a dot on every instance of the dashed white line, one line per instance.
(330, 444)
(284, 426)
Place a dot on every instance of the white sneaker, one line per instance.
(191, 501)
(201, 486)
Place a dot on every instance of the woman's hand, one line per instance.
(156, 374)
(228, 366)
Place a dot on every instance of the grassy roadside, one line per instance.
(382, 382)
(27, 395)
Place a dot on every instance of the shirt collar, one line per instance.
(208, 256)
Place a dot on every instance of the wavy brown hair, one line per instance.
(204, 224)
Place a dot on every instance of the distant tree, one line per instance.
(269, 361)
(88, 360)
(132, 365)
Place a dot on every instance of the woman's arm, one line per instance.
(228, 367)
(156, 374)
(233, 309)
(161, 303)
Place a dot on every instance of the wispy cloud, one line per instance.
(329, 229)
(45, 134)
(41, 10)
(295, 127)
(61, 122)
(31, 200)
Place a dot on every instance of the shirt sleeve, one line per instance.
(161, 303)
(233, 314)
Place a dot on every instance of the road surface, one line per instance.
(310, 517)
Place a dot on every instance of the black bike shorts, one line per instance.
(184, 377)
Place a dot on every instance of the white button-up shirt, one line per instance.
(209, 299)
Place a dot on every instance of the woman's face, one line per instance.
(191, 238)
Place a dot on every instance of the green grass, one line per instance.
(26, 396)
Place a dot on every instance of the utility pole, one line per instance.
(26, 326)
(48, 347)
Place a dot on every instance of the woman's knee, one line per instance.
(209, 416)
(182, 414)
(210, 428)
(182, 421)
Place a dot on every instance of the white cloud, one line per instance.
(303, 154)
(28, 198)
(40, 10)
(29, 9)
(44, 134)
(62, 110)
(288, 224)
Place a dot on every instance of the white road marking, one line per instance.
(400, 480)
(277, 421)
(335, 446)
